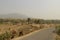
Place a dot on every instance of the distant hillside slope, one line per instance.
(13, 15)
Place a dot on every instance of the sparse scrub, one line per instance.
(19, 27)
(5, 36)
(58, 30)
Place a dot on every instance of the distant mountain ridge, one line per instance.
(13, 15)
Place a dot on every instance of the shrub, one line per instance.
(58, 30)
(5, 36)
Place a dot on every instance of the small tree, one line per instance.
(28, 20)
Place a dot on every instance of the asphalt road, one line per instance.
(46, 34)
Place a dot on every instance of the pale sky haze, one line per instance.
(45, 9)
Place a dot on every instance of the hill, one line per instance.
(13, 15)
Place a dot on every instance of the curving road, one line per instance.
(46, 34)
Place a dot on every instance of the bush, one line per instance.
(58, 30)
(5, 36)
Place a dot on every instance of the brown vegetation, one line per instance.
(11, 28)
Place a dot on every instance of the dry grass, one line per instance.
(20, 30)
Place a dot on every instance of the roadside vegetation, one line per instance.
(12, 28)
(57, 30)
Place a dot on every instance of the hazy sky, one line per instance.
(46, 9)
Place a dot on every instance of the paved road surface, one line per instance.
(46, 34)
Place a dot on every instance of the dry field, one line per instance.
(18, 30)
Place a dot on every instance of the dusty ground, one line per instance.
(5, 27)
